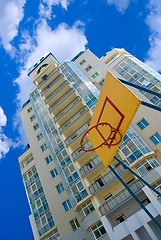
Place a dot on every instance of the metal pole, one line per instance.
(140, 88)
(151, 106)
(140, 178)
(133, 195)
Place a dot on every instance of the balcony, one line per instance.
(61, 99)
(90, 165)
(73, 119)
(77, 133)
(66, 108)
(105, 180)
(79, 152)
(56, 91)
(47, 77)
(51, 84)
(120, 198)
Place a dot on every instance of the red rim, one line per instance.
(105, 142)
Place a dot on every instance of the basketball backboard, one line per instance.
(116, 106)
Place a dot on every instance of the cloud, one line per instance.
(153, 20)
(11, 13)
(64, 42)
(5, 142)
(121, 5)
(45, 8)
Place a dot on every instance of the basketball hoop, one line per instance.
(109, 142)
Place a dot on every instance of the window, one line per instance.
(99, 182)
(60, 188)
(44, 147)
(67, 205)
(120, 219)
(36, 126)
(88, 68)
(95, 75)
(101, 83)
(74, 224)
(108, 196)
(157, 186)
(39, 136)
(32, 118)
(48, 159)
(82, 62)
(146, 165)
(142, 124)
(130, 181)
(87, 208)
(54, 173)
(29, 109)
(98, 230)
(156, 138)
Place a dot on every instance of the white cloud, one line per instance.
(154, 22)
(121, 5)
(64, 42)
(45, 8)
(5, 142)
(11, 13)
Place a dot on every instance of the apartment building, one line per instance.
(70, 192)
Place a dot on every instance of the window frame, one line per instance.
(88, 68)
(75, 224)
(50, 159)
(54, 172)
(61, 187)
(43, 147)
(38, 136)
(142, 124)
(97, 227)
(68, 204)
(36, 126)
(154, 139)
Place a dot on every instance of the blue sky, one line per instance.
(28, 30)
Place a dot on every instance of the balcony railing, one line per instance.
(77, 133)
(120, 198)
(73, 119)
(79, 152)
(47, 77)
(90, 165)
(67, 108)
(51, 84)
(56, 91)
(61, 99)
(105, 180)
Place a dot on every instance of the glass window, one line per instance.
(54, 173)
(39, 136)
(60, 188)
(32, 118)
(98, 230)
(88, 68)
(95, 75)
(44, 147)
(101, 83)
(82, 62)
(67, 205)
(36, 126)
(87, 208)
(48, 159)
(146, 165)
(142, 124)
(29, 109)
(156, 138)
(74, 224)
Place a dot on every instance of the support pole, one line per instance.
(140, 178)
(140, 88)
(134, 196)
(151, 106)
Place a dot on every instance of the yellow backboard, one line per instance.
(117, 106)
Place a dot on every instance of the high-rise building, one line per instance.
(70, 192)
